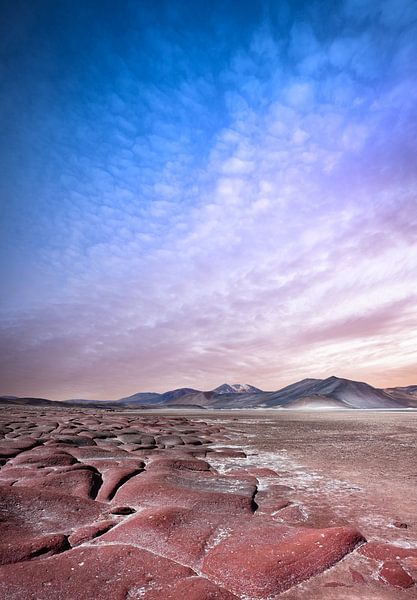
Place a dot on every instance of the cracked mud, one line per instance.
(121, 505)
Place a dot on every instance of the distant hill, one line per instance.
(141, 398)
(406, 395)
(330, 393)
(353, 394)
(236, 388)
(26, 401)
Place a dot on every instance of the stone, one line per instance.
(10, 473)
(181, 534)
(92, 573)
(90, 532)
(204, 490)
(393, 573)
(122, 510)
(19, 550)
(168, 441)
(172, 464)
(356, 576)
(400, 525)
(263, 558)
(80, 482)
(29, 513)
(45, 457)
(293, 514)
(114, 478)
(195, 588)
(381, 551)
(72, 440)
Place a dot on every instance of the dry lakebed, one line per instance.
(207, 505)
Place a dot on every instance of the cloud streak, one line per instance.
(193, 201)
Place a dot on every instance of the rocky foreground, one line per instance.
(104, 505)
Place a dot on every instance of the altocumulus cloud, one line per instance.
(195, 194)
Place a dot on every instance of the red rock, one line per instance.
(10, 448)
(81, 482)
(410, 563)
(107, 463)
(168, 441)
(71, 440)
(380, 551)
(141, 439)
(194, 588)
(291, 514)
(84, 454)
(393, 573)
(191, 440)
(204, 490)
(242, 478)
(29, 513)
(356, 576)
(265, 558)
(43, 546)
(15, 473)
(133, 447)
(400, 525)
(172, 464)
(44, 457)
(122, 510)
(89, 532)
(92, 573)
(114, 478)
(271, 500)
(193, 450)
(181, 534)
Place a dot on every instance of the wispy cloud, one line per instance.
(196, 201)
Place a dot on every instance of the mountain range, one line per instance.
(331, 393)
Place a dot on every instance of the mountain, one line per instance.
(141, 398)
(155, 399)
(406, 395)
(330, 393)
(178, 394)
(236, 388)
(352, 394)
(26, 401)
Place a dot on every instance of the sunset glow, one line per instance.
(199, 192)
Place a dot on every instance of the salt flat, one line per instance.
(207, 504)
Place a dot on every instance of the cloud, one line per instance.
(202, 212)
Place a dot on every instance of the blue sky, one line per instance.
(195, 192)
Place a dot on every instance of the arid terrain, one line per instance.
(205, 505)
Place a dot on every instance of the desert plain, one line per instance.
(207, 505)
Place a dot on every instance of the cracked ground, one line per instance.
(122, 505)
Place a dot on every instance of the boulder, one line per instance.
(17, 550)
(182, 534)
(393, 573)
(265, 558)
(87, 573)
(195, 490)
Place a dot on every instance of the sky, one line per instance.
(195, 192)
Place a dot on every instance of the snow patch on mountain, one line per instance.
(236, 388)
